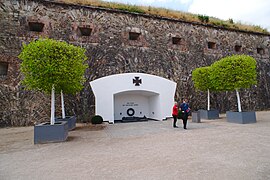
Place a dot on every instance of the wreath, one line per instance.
(130, 112)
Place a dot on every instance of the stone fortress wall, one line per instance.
(121, 42)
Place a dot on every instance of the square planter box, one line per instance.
(241, 117)
(211, 114)
(71, 120)
(45, 132)
(196, 117)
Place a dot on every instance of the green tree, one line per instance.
(53, 67)
(234, 72)
(201, 79)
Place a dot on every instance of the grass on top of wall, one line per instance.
(163, 12)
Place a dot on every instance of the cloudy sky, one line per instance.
(255, 12)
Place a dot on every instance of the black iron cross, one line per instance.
(137, 81)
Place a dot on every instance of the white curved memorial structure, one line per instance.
(133, 94)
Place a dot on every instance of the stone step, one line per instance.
(134, 119)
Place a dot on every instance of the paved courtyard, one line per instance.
(213, 149)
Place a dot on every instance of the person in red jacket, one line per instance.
(175, 114)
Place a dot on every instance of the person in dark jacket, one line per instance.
(175, 114)
(185, 109)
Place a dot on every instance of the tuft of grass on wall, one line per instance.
(163, 12)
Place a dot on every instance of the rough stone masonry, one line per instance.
(120, 42)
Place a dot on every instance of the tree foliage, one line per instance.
(234, 72)
(201, 78)
(47, 62)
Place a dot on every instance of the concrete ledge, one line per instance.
(46, 133)
(241, 117)
(71, 120)
(209, 114)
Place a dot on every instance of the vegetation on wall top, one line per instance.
(163, 12)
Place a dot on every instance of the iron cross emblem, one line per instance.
(137, 81)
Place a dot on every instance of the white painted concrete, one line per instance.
(140, 101)
(115, 94)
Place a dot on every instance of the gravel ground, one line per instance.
(213, 149)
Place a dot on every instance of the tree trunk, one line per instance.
(63, 105)
(208, 100)
(52, 106)
(238, 100)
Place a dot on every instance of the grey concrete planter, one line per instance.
(196, 117)
(46, 133)
(71, 120)
(241, 117)
(209, 114)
